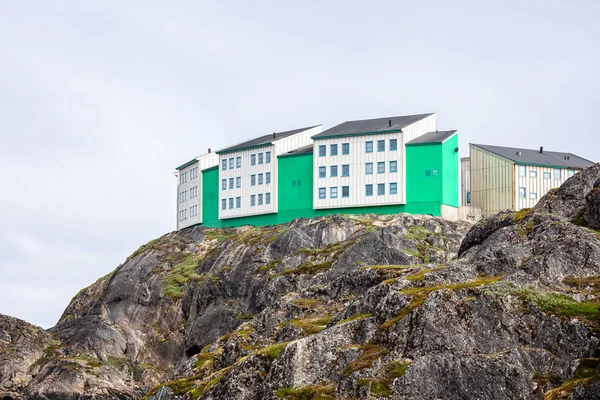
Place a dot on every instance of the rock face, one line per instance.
(354, 307)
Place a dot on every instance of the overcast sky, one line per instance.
(99, 101)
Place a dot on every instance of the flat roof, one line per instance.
(534, 157)
(433, 137)
(371, 126)
(263, 140)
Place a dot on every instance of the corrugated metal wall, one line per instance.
(536, 188)
(492, 185)
(465, 178)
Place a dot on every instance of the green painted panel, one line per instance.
(424, 173)
(295, 183)
(210, 196)
(450, 172)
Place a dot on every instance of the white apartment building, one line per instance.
(248, 172)
(363, 163)
(497, 178)
(189, 189)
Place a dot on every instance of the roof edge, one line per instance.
(356, 134)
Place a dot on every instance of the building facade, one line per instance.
(382, 166)
(501, 178)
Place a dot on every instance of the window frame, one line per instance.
(333, 171)
(322, 172)
(395, 164)
(381, 167)
(368, 188)
(381, 146)
(368, 146)
(331, 192)
(322, 150)
(322, 193)
(395, 188)
(369, 168)
(345, 189)
(347, 168)
(345, 149)
(522, 192)
(331, 148)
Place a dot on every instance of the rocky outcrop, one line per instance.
(352, 307)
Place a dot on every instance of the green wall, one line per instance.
(210, 195)
(450, 172)
(422, 164)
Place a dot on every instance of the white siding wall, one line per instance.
(246, 190)
(419, 128)
(296, 141)
(492, 182)
(193, 185)
(465, 178)
(539, 185)
(357, 180)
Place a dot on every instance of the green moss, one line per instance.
(311, 304)
(315, 392)
(421, 274)
(355, 317)
(382, 387)
(560, 304)
(220, 235)
(370, 353)
(203, 361)
(143, 248)
(585, 374)
(521, 215)
(271, 352)
(391, 267)
(51, 352)
(592, 282)
(310, 326)
(183, 273)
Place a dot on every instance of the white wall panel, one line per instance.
(465, 176)
(538, 185)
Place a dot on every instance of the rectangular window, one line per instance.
(231, 163)
(238, 202)
(547, 176)
(267, 178)
(533, 195)
(223, 204)
(381, 145)
(381, 167)
(345, 191)
(333, 149)
(223, 184)
(260, 199)
(230, 183)
(369, 146)
(333, 192)
(468, 197)
(252, 200)
(267, 198)
(322, 193)
(393, 188)
(522, 193)
(369, 168)
(533, 174)
(522, 172)
(345, 148)
(393, 144)
(322, 172)
(238, 162)
(557, 174)
(230, 202)
(333, 171)
(570, 173)
(224, 164)
(252, 180)
(260, 179)
(267, 157)
(369, 190)
(380, 189)
(238, 182)
(393, 166)
(434, 172)
(322, 151)
(346, 170)
(252, 159)
(260, 158)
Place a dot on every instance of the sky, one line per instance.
(101, 100)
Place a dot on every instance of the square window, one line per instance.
(260, 199)
(547, 176)
(381, 167)
(346, 170)
(522, 193)
(369, 190)
(267, 198)
(252, 159)
(223, 184)
(231, 163)
(427, 172)
(381, 145)
(333, 171)
(267, 157)
(369, 168)
(224, 164)
(434, 172)
(557, 174)
(322, 193)
(322, 172)
(380, 189)
(345, 148)
(238, 162)
(223, 204)
(393, 166)
(393, 188)
(252, 200)
(260, 158)
(322, 151)
(393, 144)
(533, 174)
(238, 182)
(522, 172)
(238, 202)
(260, 179)
(345, 191)
(533, 195)
(231, 202)
(230, 183)
(267, 178)
(252, 180)
(333, 192)
(333, 150)
(369, 146)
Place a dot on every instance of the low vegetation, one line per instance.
(585, 374)
(382, 386)
(315, 392)
(560, 304)
(370, 353)
(183, 273)
(310, 325)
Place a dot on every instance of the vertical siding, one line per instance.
(450, 196)
(190, 202)
(492, 184)
(419, 128)
(538, 185)
(296, 141)
(465, 177)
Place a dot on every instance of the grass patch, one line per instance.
(310, 326)
(306, 268)
(355, 317)
(183, 273)
(560, 304)
(592, 282)
(521, 215)
(208, 384)
(203, 361)
(315, 392)
(391, 267)
(370, 353)
(584, 375)
(312, 304)
(382, 387)
(143, 248)
(421, 274)
(272, 351)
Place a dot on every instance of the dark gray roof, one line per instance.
(371, 126)
(187, 164)
(432, 137)
(302, 150)
(263, 140)
(534, 157)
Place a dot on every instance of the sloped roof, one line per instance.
(263, 140)
(371, 126)
(433, 137)
(302, 150)
(534, 157)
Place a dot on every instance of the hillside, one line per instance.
(349, 307)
